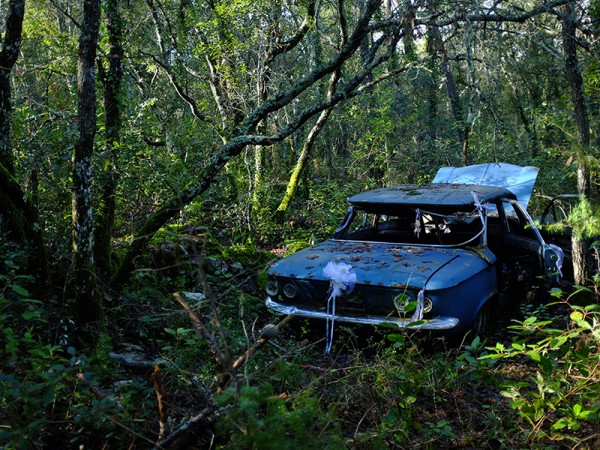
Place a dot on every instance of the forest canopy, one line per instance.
(134, 133)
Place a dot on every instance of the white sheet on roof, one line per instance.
(518, 179)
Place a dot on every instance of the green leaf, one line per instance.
(530, 320)
(558, 341)
(561, 423)
(19, 290)
(512, 394)
(398, 339)
(545, 363)
(576, 315)
(588, 414)
(578, 318)
(556, 292)
(28, 315)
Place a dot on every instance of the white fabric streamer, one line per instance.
(418, 314)
(418, 223)
(480, 208)
(341, 279)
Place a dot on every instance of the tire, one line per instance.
(481, 322)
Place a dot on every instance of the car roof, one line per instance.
(437, 194)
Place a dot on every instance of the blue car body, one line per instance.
(455, 250)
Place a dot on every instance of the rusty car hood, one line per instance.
(384, 264)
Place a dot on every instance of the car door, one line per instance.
(554, 222)
(526, 250)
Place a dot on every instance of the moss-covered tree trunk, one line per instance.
(88, 305)
(19, 213)
(8, 57)
(109, 176)
(314, 132)
(294, 181)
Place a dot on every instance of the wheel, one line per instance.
(481, 322)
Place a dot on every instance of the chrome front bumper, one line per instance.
(440, 323)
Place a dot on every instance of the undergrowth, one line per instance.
(536, 384)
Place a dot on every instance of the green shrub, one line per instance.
(558, 399)
(256, 417)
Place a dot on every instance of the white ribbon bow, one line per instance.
(341, 279)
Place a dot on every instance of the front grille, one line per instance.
(363, 299)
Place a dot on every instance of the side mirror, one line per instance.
(553, 257)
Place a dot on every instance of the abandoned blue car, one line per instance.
(438, 257)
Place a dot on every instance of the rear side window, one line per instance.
(516, 222)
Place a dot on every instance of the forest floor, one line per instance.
(374, 390)
(215, 369)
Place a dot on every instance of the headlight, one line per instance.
(427, 305)
(289, 291)
(402, 302)
(272, 288)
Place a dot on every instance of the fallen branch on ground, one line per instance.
(267, 333)
(203, 332)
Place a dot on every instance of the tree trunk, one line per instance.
(431, 119)
(317, 127)
(8, 57)
(299, 167)
(259, 150)
(533, 140)
(455, 102)
(88, 305)
(580, 269)
(20, 214)
(108, 179)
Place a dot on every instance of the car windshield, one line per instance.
(414, 226)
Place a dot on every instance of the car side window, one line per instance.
(516, 223)
(361, 226)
